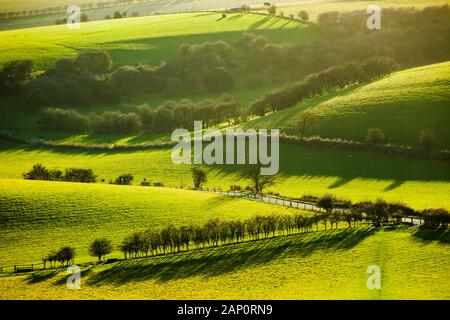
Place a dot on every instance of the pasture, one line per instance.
(355, 176)
(318, 265)
(401, 104)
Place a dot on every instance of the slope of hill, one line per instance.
(39, 216)
(401, 104)
(351, 175)
(318, 265)
(144, 39)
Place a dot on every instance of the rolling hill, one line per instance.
(39, 216)
(351, 175)
(401, 104)
(318, 265)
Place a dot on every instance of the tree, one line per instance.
(97, 62)
(199, 176)
(272, 10)
(38, 172)
(65, 255)
(326, 202)
(426, 139)
(13, 74)
(303, 15)
(100, 248)
(307, 120)
(375, 135)
(257, 180)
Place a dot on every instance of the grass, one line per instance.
(322, 265)
(42, 216)
(316, 7)
(402, 105)
(303, 170)
(142, 40)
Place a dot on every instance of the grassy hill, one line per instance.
(322, 265)
(351, 175)
(144, 39)
(39, 216)
(401, 104)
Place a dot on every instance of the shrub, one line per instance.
(79, 175)
(375, 136)
(38, 172)
(124, 179)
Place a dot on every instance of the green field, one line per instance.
(322, 265)
(351, 175)
(143, 40)
(42, 216)
(402, 105)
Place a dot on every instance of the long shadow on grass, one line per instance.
(427, 235)
(229, 258)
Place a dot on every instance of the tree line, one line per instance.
(163, 119)
(320, 82)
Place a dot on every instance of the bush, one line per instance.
(38, 172)
(79, 175)
(63, 120)
(375, 136)
(124, 179)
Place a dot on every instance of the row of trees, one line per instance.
(216, 232)
(40, 172)
(320, 82)
(342, 24)
(163, 119)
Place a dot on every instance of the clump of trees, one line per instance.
(163, 119)
(73, 81)
(40, 172)
(100, 248)
(13, 74)
(65, 256)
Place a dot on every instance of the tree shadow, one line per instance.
(427, 235)
(395, 184)
(340, 182)
(40, 276)
(228, 258)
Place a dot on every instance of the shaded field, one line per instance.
(319, 265)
